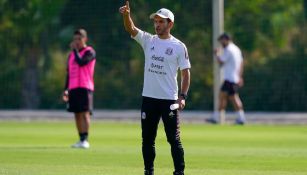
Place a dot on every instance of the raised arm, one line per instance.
(217, 53)
(87, 57)
(128, 23)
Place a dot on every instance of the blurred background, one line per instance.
(35, 37)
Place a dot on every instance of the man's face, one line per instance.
(224, 42)
(162, 26)
(79, 41)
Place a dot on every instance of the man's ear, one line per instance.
(170, 25)
(86, 39)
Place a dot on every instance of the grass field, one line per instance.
(43, 148)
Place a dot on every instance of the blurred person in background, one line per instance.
(79, 85)
(231, 60)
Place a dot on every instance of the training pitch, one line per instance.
(43, 148)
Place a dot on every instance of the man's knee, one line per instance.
(148, 137)
(236, 101)
(148, 141)
(174, 141)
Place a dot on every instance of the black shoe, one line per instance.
(146, 172)
(179, 173)
(211, 120)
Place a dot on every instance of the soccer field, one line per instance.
(43, 148)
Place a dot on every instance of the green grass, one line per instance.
(43, 148)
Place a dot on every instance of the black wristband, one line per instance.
(184, 96)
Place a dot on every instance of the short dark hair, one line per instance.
(225, 36)
(81, 32)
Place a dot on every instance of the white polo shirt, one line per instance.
(163, 58)
(232, 59)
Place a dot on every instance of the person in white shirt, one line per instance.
(232, 62)
(164, 55)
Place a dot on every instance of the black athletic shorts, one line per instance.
(230, 88)
(80, 100)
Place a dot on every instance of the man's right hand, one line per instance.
(217, 51)
(65, 97)
(128, 23)
(73, 45)
(125, 10)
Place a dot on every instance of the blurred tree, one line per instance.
(276, 69)
(258, 25)
(35, 35)
(30, 24)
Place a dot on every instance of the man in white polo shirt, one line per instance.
(232, 62)
(164, 55)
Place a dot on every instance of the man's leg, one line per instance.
(82, 124)
(79, 123)
(238, 106)
(86, 105)
(172, 130)
(222, 106)
(220, 114)
(81, 100)
(85, 119)
(150, 120)
(223, 101)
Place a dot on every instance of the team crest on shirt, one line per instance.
(153, 48)
(143, 115)
(169, 51)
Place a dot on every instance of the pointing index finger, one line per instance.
(127, 4)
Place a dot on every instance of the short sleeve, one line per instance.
(142, 38)
(184, 61)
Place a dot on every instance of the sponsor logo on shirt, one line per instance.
(155, 66)
(157, 58)
(152, 65)
(157, 72)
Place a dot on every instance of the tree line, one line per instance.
(35, 35)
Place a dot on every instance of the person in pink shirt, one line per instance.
(79, 88)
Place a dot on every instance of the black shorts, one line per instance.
(80, 100)
(230, 88)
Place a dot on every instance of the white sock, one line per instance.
(241, 115)
(216, 115)
(222, 116)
